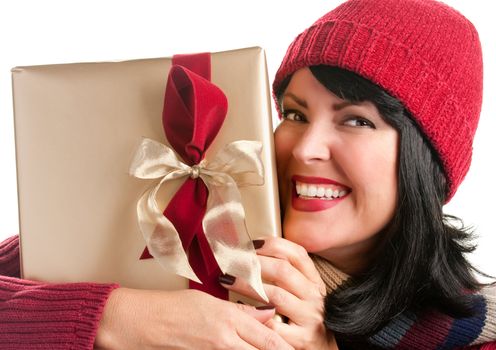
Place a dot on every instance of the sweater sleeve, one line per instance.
(35, 315)
(434, 330)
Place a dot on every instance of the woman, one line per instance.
(379, 103)
(363, 176)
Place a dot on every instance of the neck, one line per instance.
(353, 259)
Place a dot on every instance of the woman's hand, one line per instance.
(187, 319)
(296, 290)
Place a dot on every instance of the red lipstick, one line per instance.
(316, 180)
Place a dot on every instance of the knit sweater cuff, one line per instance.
(91, 313)
(50, 316)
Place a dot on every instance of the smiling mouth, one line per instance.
(319, 191)
(315, 193)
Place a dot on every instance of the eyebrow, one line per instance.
(304, 104)
(295, 98)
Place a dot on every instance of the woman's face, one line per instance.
(337, 172)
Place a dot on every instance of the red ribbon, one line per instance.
(194, 111)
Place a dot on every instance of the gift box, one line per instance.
(85, 136)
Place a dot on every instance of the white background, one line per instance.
(50, 31)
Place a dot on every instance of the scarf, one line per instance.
(428, 330)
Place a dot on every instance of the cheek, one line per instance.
(372, 164)
(378, 186)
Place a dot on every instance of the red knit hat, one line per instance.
(422, 52)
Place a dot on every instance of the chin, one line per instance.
(300, 236)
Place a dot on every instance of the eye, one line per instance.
(293, 115)
(359, 122)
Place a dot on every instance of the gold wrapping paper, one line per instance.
(77, 127)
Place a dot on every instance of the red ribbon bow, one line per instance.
(194, 111)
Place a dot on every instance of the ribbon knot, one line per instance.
(236, 164)
(195, 171)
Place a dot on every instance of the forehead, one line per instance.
(304, 89)
(303, 86)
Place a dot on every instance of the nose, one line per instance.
(313, 145)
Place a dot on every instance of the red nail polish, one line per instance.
(258, 243)
(265, 307)
(227, 279)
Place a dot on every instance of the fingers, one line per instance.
(288, 265)
(285, 264)
(240, 286)
(298, 311)
(310, 337)
(298, 284)
(280, 272)
(262, 315)
(290, 333)
(229, 326)
(296, 290)
(295, 254)
(259, 336)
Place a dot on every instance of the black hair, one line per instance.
(420, 261)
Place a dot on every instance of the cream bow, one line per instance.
(236, 164)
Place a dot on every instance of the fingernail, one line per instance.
(265, 307)
(258, 243)
(240, 302)
(227, 279)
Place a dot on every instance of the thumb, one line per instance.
(261, 313)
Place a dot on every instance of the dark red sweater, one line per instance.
(35, 315)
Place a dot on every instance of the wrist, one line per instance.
(105, 337)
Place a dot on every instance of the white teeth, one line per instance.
(312, 191)
(305, 190)
(321, 192)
